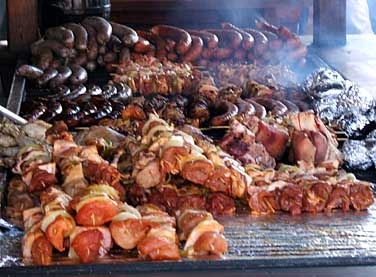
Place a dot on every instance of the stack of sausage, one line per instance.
(266, 44)
(81, 106)
(64, 54)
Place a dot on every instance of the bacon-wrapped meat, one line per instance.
(103, 173)
(89, 243)
(161, 243)
(36, 247)
(128, 228)
(96, 206)
(203, 234)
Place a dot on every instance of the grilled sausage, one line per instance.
(275, 42)
(126, 34)
(292, 108)
(274, 106)
(61, 34)
(56, 47)
(91, 66)
(182, 37)
(142, 46)
(47, 76)
(227, 38)
(210, 40)
(114, 44)
(297, 54)
(80, 35)
(124, 56)
(102, 27)
(92, 45)
(172, 56)
(110, 57)
(44, 58)
(229, 112)
(248, 40)
(261, 41)
(29, 72)
(81, 59)
(160, 43)
(260, 110)
(64, 74)
(222, 53)
(195, 50)
(240, 54)
(79, 75)
(170, 45)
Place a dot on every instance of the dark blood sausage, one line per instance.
(64, 74)
(126, 34)
(100, 60)
(227, 38)
(101, 26)
(48, 75)
(44, 58)
(229, 111)
(29, 72)
(274, 106)
(81, 59)
(182, 37)
(102, 49)
(104, 108)
(79, 75)
(160, 43)
(92, 44)
(55, 63)
(78, 91)
(91, 66)
(142, 46)
(61, 34)
(261, 41)
(56, 47)
(248, 40)
(210, 40)
(123, 92)
(60, 92)
(80, 35)
(195, 50)
(110, 57)
(290, 106)
(54, 109)
(245, 108)
(114, 44)
(260, 110)
(124, 56)
(109, 91)
(275, 42)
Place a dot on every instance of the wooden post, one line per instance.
(22, 24)
(329, 22)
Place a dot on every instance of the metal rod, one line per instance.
(12, 116)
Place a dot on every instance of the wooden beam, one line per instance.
(22, 24)
(329, 22)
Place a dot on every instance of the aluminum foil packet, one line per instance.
(340, 102)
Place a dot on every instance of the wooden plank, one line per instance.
(22, 24)
(329, 22)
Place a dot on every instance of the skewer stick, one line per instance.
(12, 116)
(214, 128)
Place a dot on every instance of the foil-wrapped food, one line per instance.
(360, 154)
(340, 102)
